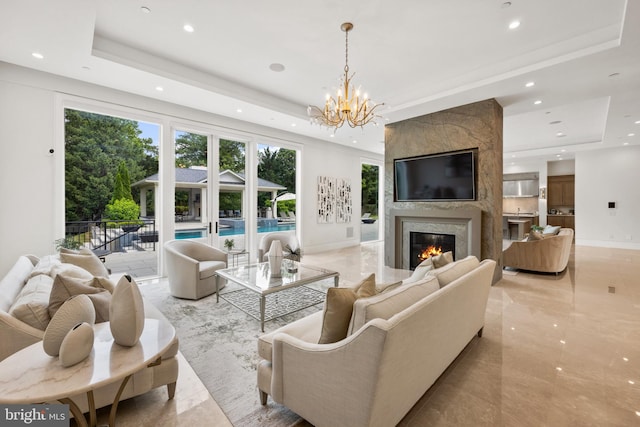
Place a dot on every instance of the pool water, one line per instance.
(189, 234)
(261, 229)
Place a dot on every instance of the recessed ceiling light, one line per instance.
(355, 142)
(626, 143)
(188, 28)
(637, 122)
(555, 122)
(631, 134)
(293, 125)
(514, 24)
(37, 55)
(332, 135)
(559, 134)
(159, 88)
(538, 102)
(239, 110)
(557, 155)
(530, 84)
(277, 67)
(145, 9)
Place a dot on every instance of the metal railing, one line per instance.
(114, 236)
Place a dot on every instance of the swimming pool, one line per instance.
(189, 234)
(261, 229)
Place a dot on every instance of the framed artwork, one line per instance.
(326, 199)
(343, 201)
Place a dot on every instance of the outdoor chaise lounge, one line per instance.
(366, 219)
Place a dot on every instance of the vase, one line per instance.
(126, 312)
(76, 345)
(275, 258)
(75, 310)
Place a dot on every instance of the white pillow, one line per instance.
(420, 271)
(551, 229)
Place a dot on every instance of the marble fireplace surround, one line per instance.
(465, 224)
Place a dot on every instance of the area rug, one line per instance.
(220, 342)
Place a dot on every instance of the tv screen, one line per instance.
(437, 177)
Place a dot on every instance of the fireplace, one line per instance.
(461, 225)
(425, 245)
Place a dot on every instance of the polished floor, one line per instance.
(556, 351)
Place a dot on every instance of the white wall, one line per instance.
(540, 166)
(561, 167)
(32, 211)
(604, 176)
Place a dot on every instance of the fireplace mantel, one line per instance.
(464, 223)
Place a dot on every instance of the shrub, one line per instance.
(122, 209)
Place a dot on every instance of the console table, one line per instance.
(30, 376)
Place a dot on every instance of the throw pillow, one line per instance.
(87, 260)
(455, 270)
(32, 303)
(551, 230)
(65, 287)
(442, 259)
(535, 235)
(338, 309)
(420, 271)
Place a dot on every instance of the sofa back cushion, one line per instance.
(454, 270)
(13, 281)
(86, 259)
(389, 303)
(32, 303)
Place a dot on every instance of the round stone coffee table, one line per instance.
(30, 376)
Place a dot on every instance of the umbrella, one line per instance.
(285, 196)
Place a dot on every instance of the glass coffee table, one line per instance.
(257, 278)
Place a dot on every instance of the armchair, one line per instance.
(286, 239)
(191, 268)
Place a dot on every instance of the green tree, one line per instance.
(191, 150)
(122, 209)
(232, 156)
(370, 189)
(278, 166)
(122, 186)
(94, 147)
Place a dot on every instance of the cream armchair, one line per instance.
(549, 255)
(286, 239)
(191, 268)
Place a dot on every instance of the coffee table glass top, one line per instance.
(257, 277)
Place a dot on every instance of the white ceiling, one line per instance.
(416, 56)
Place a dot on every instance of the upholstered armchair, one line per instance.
(286, 239)
(191, 268)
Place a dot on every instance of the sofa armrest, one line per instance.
(550, 254)
(320, 381)
(15, 335)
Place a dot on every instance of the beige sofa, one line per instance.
(398, 344)
(549, 255)
(15, 334)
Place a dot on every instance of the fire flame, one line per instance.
(429, 252)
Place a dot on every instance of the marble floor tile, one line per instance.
(556, 351)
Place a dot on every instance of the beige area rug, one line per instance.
(220, 342)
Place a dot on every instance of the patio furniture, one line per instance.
(366, 219)
(191, 268)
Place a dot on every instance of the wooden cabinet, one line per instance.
(566, 221)
(561, 191)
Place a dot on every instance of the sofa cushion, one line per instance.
(13, 281)
(45, 264)
(387, 287)
(387, 304)
(87, 260)
(70, 270)
(442, 259)
(306, 329)
(339, 306)
(420, 271)
(31, 305)
(209, 268)
(96, 289)
(451, 272)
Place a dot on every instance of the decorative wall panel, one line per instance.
(326, 199)
(344, 207)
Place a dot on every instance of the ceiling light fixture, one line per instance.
(159, 88)
(530, 84)
(631, 134)
(514, 24)
(37, 55)
(188, 28)
(538, 102)
(637, 122)
(347, 106)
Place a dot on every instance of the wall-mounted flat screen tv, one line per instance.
(436, 177)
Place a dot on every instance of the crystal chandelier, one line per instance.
(348, 106)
